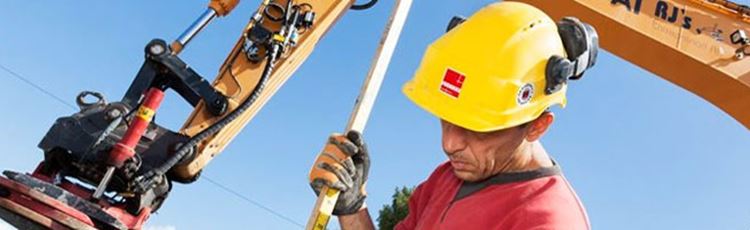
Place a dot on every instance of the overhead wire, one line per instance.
(215, 183)
(268, 209)
(32, 84)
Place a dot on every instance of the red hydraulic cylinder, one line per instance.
(125, 149)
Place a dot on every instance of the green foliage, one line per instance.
(390, 215)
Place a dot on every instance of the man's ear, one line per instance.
(538, 127)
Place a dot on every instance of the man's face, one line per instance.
(476, 156)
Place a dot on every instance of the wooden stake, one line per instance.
(363, 106)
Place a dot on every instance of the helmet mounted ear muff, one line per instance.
(455, 21)
(581, 44)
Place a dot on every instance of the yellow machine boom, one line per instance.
(237, 77)
(687, 42)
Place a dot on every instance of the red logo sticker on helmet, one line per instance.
(452, 83)
(525, 94)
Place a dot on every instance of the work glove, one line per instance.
(343, 165)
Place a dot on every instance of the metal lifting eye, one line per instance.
(84, 104)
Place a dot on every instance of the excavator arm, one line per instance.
(699, 45)
(109, 166)
(239, 75)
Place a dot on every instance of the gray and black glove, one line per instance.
(343, 165)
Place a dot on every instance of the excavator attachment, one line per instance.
(32, 203)
(110, 165)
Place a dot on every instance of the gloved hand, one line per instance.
(343, 165)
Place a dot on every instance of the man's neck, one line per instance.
(529, 156)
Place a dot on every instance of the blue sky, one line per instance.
(641, 153)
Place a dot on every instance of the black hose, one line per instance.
(365, 6)
(144, 181)
(210, 131)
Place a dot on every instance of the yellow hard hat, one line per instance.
(502, 67)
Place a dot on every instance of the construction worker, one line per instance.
(490, 80)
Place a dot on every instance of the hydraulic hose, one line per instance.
(145, 180)
(365, 6)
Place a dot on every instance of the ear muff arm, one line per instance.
(558, 70)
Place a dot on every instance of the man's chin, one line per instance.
(465, 175)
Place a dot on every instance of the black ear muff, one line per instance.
(581, 44)
(593, 44)
(557, 72)
(455, 21)
(573, 35)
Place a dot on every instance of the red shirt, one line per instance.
(539, 199)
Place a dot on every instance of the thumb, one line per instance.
(355, 137)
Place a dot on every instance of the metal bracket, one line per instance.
(166, 70)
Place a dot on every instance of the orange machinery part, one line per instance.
(686, 42)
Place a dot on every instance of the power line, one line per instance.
(217, 184)
(29, 82)
(290, 220)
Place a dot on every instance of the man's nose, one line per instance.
(454, 138)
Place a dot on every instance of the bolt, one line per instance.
(157, 49)
(112, 114)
